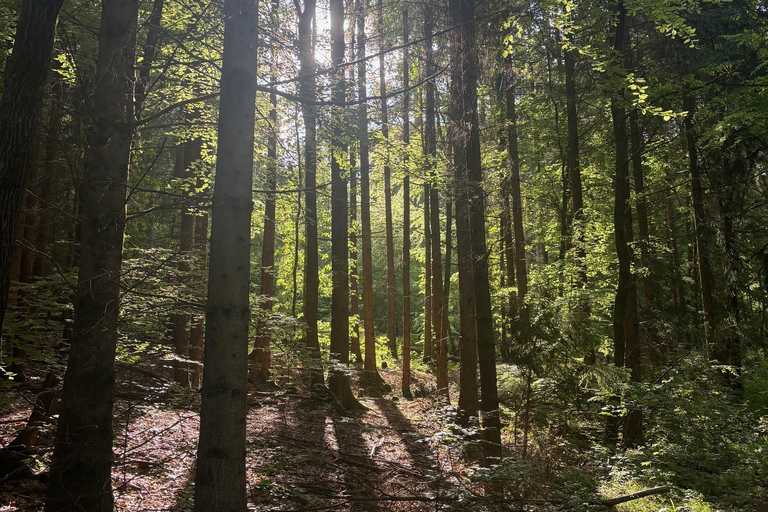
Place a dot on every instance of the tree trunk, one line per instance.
(517, 216)
(365, 197)
(430, 136)
(700, 231)
(48, 173)
(261, 356)
(406, 382)
(574, 172)
(308, 92)
(462, 15)
(390, 237)
(338, 379)
(220, 481)
(625, 337)
(649, 291)
(180, 320)
(25, 77)
(81, 466)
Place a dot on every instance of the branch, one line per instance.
(636, 495)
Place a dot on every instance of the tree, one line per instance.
(261, 354)
(406, 379)
(465, 98)
(25, 79)
(307, 91)
(370, 367)
(338, 379)
(82, 458)
(220, 482)
(390, 242)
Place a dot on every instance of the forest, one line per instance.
(363, 255)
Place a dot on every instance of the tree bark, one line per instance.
(625, 336)
(261, 357)
(220, 480)
(25, 78)
(365, 196)
(307, 85)
(406, 377)
(81, 466)
(462, 15)
(338, 379)
(390, 237)
(700, 231)
(577, 199)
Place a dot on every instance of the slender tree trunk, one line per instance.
(390, 237)
(220, 480)
(574, 172)
(261, 356)
(48, 173)
(181, 334)
(197, 331)
(517, 216)
(25, 78)
(706, 279)
(445, 317)
(678, 298)
(625, 336)
(462, 15)
(338, 379)
(430, 136)
(365, 196)
(354, 228)
(308, 92)
(406, 382)
(81, 465)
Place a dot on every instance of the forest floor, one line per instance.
(302, 453)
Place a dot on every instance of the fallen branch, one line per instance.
(635, 495)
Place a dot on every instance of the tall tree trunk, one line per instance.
(406, 382)
(261, 357)
(390, 237)
(521, 267)
(445, 318)
(462, 15)
(430, 136)
(220, 482)
(354, 228)
(338, 379)
(625, 336)
(181, 334)
(25, 76)
(48, 173)
(577, 200)
(197, 331)
(81, 466)
(706, 279)
(308, 92)
(365, 196)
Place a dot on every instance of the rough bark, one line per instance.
(261, 356)
(462, 15)
(220, 482)
(307, 87)
(700, 231)
(180, 320)
(25, 76)
(338, 378)
(521, 268)
(390, 237)
(81, 466)
(365, 195)
(406, 382)
(573, 164)
(625, 335)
